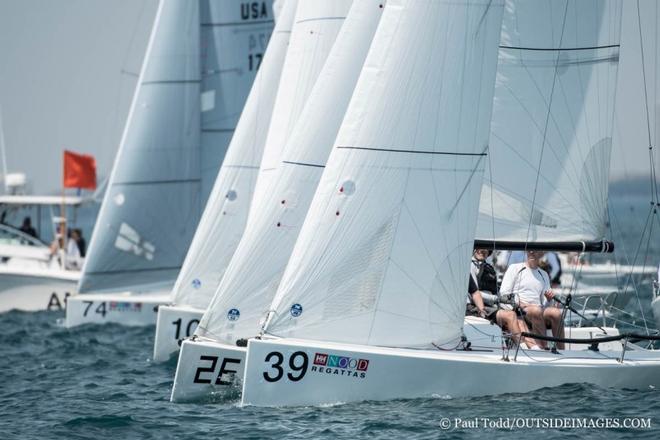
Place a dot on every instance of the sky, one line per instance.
(68, 71)
(67, 75)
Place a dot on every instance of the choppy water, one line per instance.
(99, 382)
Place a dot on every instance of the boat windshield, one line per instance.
(13, 236)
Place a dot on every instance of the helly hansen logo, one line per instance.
(344, 362)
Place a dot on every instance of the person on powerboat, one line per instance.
(67, 251)
(27, 227)
(76, 235)
(73, 256)
(531, 287)
(483, 300)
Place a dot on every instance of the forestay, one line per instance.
(222, 224)
(550, 143)
(382, 257)
(156, 190)
(253, 274)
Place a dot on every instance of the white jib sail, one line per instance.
(551, 133)
(252, 275)
(156, 189)
(222, 224)
(382, 257)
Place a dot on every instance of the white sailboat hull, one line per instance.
(207, 369)
(120, 308)
(205, 366)
(36, 289)
(376, 373)
(173, 325)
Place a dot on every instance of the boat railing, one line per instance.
(592, 342)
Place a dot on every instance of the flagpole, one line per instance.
(63, 214)
(4, 154)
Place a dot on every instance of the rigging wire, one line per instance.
(545, 128)
(653, 214)
(654, 187)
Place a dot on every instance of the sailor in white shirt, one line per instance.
(531, 286)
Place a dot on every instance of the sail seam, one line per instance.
(303, 164)
(320, 19)
(553, 49)
(251, 167)
(173, 81)
(237, 23)
(156, 182)
(446, 153)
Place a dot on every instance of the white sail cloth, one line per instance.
(151, 205)
(314, 32)
(273, 231)
(156, 189)
(222, 224)
(234, 36)
(382, 257)
(551, 132)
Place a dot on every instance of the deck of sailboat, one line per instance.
(525, 356)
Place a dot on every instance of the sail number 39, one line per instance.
(298, 363)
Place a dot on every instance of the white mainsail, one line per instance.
(253, 274)
(222, 224)
(550, 143)
(234, 36)
(382, 256)
(165, 164)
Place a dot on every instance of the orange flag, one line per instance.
(79, 170)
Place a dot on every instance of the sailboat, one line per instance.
(200, 63)
(222, 224)
(371, 305)
(292, 172)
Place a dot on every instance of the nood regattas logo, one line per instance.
(340, 365)
(125, 307)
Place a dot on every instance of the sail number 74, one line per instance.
(100, 309)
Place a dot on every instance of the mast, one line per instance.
(3, 152)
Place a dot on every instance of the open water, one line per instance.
(98, 382)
